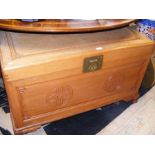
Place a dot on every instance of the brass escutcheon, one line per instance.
(92, 63)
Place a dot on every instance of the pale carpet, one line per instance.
(138, 119)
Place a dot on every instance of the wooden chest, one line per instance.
(53, 76)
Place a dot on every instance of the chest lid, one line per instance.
(20, 50)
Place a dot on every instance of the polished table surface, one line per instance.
(63, 25)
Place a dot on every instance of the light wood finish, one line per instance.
(63, 25)
(44, 77)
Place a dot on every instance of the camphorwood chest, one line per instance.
(53, 76)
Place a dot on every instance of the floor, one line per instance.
(138, 119)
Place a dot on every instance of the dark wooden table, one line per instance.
(63, 25)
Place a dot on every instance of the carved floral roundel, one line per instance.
(59, 95)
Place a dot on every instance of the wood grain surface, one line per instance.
(63, 25)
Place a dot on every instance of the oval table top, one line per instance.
(63, 25)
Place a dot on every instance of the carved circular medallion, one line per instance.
(59, 95)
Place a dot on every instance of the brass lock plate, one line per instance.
(92, 63)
